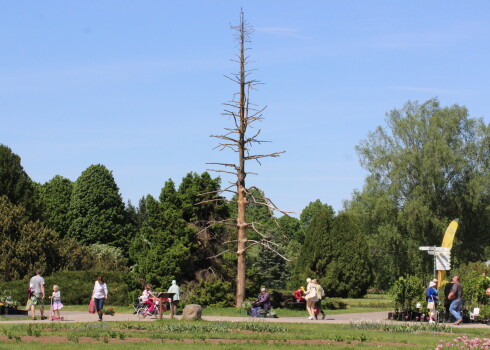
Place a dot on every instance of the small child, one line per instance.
(56, 305)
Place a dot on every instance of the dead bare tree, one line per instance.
(244, 114)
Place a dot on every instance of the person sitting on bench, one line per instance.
(263, 302)
(299, 295)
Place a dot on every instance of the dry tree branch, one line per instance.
(227, 189)
(224, 164)
(215, 200)
(222, 171)
(223, 146)
(267, 202)
(258, 156)
(223, 252)
(275, 251)
(224, 137)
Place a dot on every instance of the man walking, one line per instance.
(456, 295)
(174, 288)
(318, 304)
(37, 286)
(447, 302)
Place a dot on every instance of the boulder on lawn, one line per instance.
(192, 312)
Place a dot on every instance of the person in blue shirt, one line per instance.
(431, 294)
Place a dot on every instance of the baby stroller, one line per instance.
(138, 304)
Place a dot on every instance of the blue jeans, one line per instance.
(455, 308)
(99, 305)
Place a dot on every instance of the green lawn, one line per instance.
(288, 312)
(239, 335)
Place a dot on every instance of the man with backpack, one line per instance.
(318, 304)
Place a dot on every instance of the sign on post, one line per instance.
(442, 257)
(443, 261)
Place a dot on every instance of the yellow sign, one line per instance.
(448, 243)
(449, 235)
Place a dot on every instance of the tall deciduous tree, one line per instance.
(239, 139)
(25, 245)
(97, 210)
(428, 166)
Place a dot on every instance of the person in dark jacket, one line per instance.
(447, 302)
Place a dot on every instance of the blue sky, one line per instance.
(138, 85)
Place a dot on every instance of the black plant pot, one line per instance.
(8, 310)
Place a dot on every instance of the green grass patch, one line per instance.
(252, 335)
(288, 312)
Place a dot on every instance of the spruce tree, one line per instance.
(164, 248)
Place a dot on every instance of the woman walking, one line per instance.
(432, 299)
(99, 295)
(311, 297)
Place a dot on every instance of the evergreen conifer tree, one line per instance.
(55, 197)
(97, 210)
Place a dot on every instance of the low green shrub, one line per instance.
(334, 304)
(75, 286)
(211, 291)
(406, 292)
(485, 312)
(375, 291)
(401, 327)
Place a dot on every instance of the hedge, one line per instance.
(76, 287)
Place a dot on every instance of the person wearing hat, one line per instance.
(263, 302)
(174, 288)
(311, 297)
(299, 295)
(431, 295)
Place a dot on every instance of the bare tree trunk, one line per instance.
(241, 188)
(237, 140)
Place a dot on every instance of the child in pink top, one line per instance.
(145, 298)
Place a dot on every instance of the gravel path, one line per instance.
(79, 316)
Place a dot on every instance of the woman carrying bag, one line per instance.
(431, 296)
(311, 297)
(99, 295)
